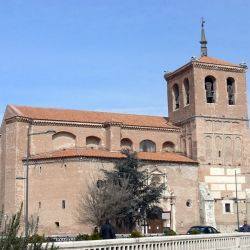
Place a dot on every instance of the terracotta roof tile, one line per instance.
(164, 156)
(90, 116)
(97, 153)
(212, 60)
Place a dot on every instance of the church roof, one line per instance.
(101, 153)
(212, 60)
(83, 116)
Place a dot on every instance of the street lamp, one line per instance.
(236, 196)
(26, 178)
(172, 202)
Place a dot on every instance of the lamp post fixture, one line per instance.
(26, 178)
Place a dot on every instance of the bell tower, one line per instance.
(205, 89)
(207, 99)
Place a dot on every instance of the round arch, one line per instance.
(126, 143)
(168, 146)
(147, 146)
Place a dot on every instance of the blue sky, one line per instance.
(110, 55)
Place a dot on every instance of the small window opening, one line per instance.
(227, 207)
(57, 223)
(189, 203)
(63, 204)
(219, 153)
(40, 170)
(210, 89)
(230, 91)
(39, 204)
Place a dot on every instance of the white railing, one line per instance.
(184, 242)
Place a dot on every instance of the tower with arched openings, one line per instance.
(211, 109)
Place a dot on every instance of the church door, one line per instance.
(155, 226)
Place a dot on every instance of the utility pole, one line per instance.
(26, 178)
(26, 215)
(236, 199)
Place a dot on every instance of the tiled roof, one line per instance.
(207, 61)
(212, 60)
(89, 116)
(98, 153)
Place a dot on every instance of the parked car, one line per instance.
(244, 228)
(202, 230)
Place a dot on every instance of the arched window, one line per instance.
(168, 146)
(186, 91)
(176, 101)
(126, 144)
(231, 90)
(63, 140)
(210, 89)
(93, 142)
(147, 146)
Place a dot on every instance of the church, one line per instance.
(200, 152)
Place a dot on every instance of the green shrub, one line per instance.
(95, 236)
(136, 234)
(169, 232)
(81, 237)
(36, 238)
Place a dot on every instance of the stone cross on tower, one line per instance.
(203, 41)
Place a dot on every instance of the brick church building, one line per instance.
(199, 152)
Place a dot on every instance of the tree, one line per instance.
(145, 195)
(104, 200)
(125, 195)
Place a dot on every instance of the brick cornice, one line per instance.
(211, 66)
(112, 123)
(179, 71)
(86, 124)
(103, 159)
(18, 119)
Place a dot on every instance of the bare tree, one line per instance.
(104, 200)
